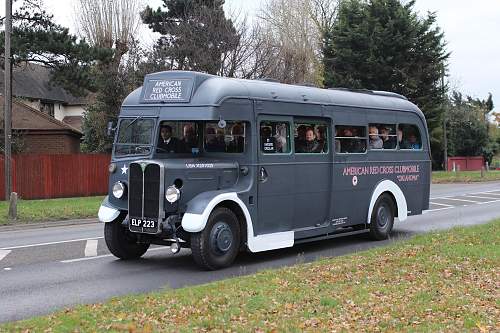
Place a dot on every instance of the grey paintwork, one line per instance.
(308, 193)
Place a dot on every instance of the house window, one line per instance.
(47, 108)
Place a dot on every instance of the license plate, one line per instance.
(145, 225)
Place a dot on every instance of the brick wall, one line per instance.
(51, 143)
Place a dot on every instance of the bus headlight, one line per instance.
(118, 190)
(172, 194)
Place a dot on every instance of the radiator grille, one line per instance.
(135, 190)
(152, 190)
(147, 182)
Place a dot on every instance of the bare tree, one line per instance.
(293, 39)
(253, 55)
(324, 13)
(110, 23)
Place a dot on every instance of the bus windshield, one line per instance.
(194, 137)
(134, 137)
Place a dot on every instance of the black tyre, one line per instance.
(382, 219)
(121, 242)
(218, 244)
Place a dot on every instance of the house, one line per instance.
(31, 85)
(38, 132)
(47, 118)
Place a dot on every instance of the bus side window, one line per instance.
(382, 136)
(274, 137)
(409, 137)
(311, 138)
(350, 139)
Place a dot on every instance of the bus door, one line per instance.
(313, 175)
(275, 174)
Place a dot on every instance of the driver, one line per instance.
(167, 143)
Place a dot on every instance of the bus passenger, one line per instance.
(412, 141)
(281, 138)
(351, 144)
(322, 140)
(375, 141)
(300, 140)
(401, 143)
(214, 142)
(189, 138)
(236, 145)
(310, 144)
(389, 141)
(167, 143)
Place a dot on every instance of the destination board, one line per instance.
(171, 90)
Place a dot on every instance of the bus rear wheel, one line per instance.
(218, 244)
(382, 219)
(121, 242)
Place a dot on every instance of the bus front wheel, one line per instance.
(382, 219)
(217, 245)
(122, 243)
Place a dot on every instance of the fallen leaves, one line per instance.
(447, 281)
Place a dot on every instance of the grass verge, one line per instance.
(443, 177)
(29, 211)
(445, 281)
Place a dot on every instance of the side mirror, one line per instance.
(111, 129)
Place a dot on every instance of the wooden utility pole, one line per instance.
(445, 139)
(8, 99)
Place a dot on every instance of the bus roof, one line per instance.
(199, 89)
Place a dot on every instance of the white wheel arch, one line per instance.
(392, 188)
(197, 222)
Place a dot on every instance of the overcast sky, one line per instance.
(471, 30)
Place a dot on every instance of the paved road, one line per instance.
(42, 270)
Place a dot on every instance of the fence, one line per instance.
(57, 176)
(469, 163)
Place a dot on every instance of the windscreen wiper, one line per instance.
(133, 121)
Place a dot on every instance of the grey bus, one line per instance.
(222, 165)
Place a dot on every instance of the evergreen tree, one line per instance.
(114, 86)
(195, 34)
(385, 45)
(467, 130)
(36, 38)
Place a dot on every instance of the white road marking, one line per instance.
(48, 243)
(464, 200)
(7, 269)
(440, 204)
(86, 258)
(494, 192)
(91, 248)
(4, 253)
(494, 195)
(437, 209)
(480, 197)
(487, 202)
(108, 255)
